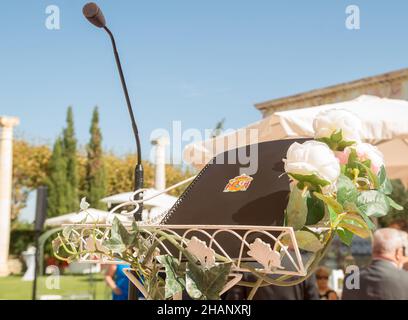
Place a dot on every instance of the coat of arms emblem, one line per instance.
(239, 183)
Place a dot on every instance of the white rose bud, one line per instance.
(330, 121)
(312, 157)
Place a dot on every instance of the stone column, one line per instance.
(160, 162)
(6, 170)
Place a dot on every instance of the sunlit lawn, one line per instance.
(13, 288)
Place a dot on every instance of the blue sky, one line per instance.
(194, 61)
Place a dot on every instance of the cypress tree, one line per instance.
(95, 170)
(70, 154)
(57, 182)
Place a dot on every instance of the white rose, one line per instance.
(312, 157)
(329, 121)
(366, 151)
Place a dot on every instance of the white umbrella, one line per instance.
(88, 216)
(385, 123)
(153, 207)
(163, 200)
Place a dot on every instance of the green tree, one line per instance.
(70, 154)
(57, 182)
(399, 195)
(95, 170)
(30, 163)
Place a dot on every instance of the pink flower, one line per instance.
(342, 156)
(365, 151)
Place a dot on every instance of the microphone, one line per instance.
(95, 16)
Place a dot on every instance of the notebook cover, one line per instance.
(262, 203)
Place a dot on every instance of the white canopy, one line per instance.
(91, 215)
(163, 200)
(385, 123)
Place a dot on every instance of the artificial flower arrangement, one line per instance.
(338, 185)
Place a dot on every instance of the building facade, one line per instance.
(389, 85)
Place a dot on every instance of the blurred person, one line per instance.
(400, 224)
(404, 263)
(322, 280)
(116, 279)
(383, 279)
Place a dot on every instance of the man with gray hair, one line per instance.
(384, 278)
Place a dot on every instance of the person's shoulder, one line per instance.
(397, 282)
(403, 276)
(379, 268)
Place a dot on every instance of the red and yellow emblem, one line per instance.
(239, 183)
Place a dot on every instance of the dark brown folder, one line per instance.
(263, 203)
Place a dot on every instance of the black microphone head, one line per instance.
(94, 14)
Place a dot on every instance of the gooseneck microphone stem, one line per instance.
(139, 179)
(95, 16)
(125, 90)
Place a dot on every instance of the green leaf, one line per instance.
(337, 207)
(311, 180)
(315, 210)
(354, 217)
(327, 141)
(353, 157)
(346, 190)
(134, 228)
(363, 233)
(296, 211)
(368, 221)
(114, 245)
(332, 214)
(336, 142)
(373, 203)
(337, 136)
(367, 163)
(344, 144)
(306, 240)
(192, 289)
(174, 275)
(382, 175)
(352, 207)
(345, 236)
(155, 286)
(394, 205)
(386, 187)
(371, 176)
(209, 282)
(354, 223)
(157, 292)
(120, 239)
